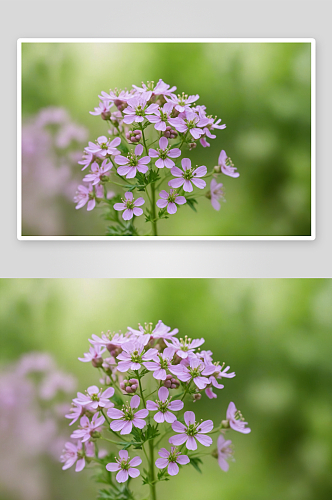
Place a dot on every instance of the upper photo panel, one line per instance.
(166, 139)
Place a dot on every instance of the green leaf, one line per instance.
(194, 461)
(191, 202)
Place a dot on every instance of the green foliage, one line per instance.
(195, 462)
(191, 202)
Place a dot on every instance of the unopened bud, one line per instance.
(192, 145)
(97, 362)
(197, 396)
(225, 424)
(106, 115)
(217, 169)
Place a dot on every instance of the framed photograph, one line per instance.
(166, 139)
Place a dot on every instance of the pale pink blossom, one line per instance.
(226, 165)
(163, 406)
(224, 452)
(161, 331)
(125, 419)
(164, 154)
(95, 398)
(76, 412)
(124, 466)
(216, 193)
(193, 369)
(185, 347)
(130, 164)
(170, 200)
(236, 420)
(103, 109)
(190, 122)
(74, 453)
(112, 341)
(171, 460)
(188, 176)
(137, 109)
(98, 173)
(182, 102)
(130, 206)
(104, 146)
(161, 363)
(87, 195)
(191, 431)
(88, 429)
(161, 88)
(133, 354)
(94, 355)
(160, 117)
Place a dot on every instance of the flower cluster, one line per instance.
(150, 377)
(151, 133)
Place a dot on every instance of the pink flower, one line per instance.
(132, 163)
(190, 122)
(163, 405)
(119, 97)
(161, 88)
(125, 466)
(226, 165)
(126, 418)
(195, 370)
(164, 154)
(95, 398)
(212, 382)
(98, 172)
(161, 331)
(104, 147)
(191, 431)
(216, 193)
(185, 347)
(188, 176)
(137, 109)
(103, 109)
(224, 372)
(94, 355)
(88, 429)
(133, 354)
(74, 453)
(170, 201)
(170, 460)
(236, 420)
(88, 195)
(87, 159)
(160, 117)
(130, 206)
(182, 102)
(112, 341)
(224, 452)
(76, 411)
(161, 362)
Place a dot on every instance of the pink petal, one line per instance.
(134, 462)
(172, 208)
(201, 382)
(204, 440)
(191, 443)
(163, 394)
(121, 160)
(127, 215)
(174, 153)
(178, 439)
(178, 426)
(151, 405)
(169, 417)
(169, 163)
(187, 186)
(176, 405)
(161, 463)
(163, 453)
(141, 413)
(198, 183)
(139, 150)
(163, 143)
(200, 171)
(189, 417)
(137, 422)
(186, 163)
(117, 425)
(159, 417)
(123, 454)
(160, 374)
(135, 401)
(180, 200)
(80, 464)
(133, 472)
(139, 202)
(176, 183)
(173, 469)
(137, 211)
(160, 163)
(122, 476)
(183, 459)
(176, 171)
(126, 429)
(153, 153)
(113, 467)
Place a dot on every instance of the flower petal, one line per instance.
(189, 417)
(161, 463)
(204, 440)
(135, 401)
(191, 443)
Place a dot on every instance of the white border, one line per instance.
(312, 41)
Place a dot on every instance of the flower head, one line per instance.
(161, 88)
(224, 452)
(125, 466)
(133, 354)
(191, 431)
(193, 369)
(161, 362)
(236, 420)
(125, 419)
(185, 347)
(170, 200)
(95, 398)
(188, 176)
(216, 193)
(160, 117)
(89, 429)
(103, 109)
(132, 163)
(163, 405)
(190, 122)
(87, 195)
(74, 453)
(94, 355)
(164, 154)
(130, 206)
(182, 102)
(138, 108)
(171, 460)
(99, 173)
(104, 147)
(226, 165)
(76, 411)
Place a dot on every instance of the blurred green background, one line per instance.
(260, 90)
(276, 334)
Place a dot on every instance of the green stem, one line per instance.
(152, 478)
(119, 443)
(153, 210)
(186, 390)
(140, 387)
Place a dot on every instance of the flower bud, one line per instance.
(225, 424)
(97, 362)
(106, 115)
(192, 145)
(129, 386)
(196, 396)
(170, 382)
(217, 169)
